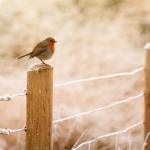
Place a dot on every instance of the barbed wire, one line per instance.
(7, 97)
(108, 135)
(92, 111)
(8, 131)
(101, 77)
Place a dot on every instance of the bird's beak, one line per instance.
(55, 41)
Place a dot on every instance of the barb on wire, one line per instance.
(7, 97)
(8, 131)
(108, 135)
(101, 77)
(92, 111)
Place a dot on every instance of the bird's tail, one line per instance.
(24, 55)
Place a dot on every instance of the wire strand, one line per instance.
(8, 131)
(100, 77)
(145, 141)
(92, 111)
(7, 97)
(108, 135)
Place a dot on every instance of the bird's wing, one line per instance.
(39, 48)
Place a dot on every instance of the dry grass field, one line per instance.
(95, 37)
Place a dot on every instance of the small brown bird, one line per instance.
(43, 50)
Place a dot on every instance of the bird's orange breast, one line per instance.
(51, 45)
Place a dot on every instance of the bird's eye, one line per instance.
(50, 40)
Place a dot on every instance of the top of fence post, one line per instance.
(147, 46)
(36, 67)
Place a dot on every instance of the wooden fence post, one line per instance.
(39, 108)
(147, 95)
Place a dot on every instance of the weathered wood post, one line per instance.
(147, 95)
(39, 108)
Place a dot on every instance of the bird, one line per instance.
(43, 50)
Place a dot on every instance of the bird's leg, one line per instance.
(43, 62)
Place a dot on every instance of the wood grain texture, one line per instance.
(39, 108)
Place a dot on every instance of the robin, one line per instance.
(43, 50)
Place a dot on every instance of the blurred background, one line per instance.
(95, 37)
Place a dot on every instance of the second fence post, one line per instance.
(39, 108)
(147, 95)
